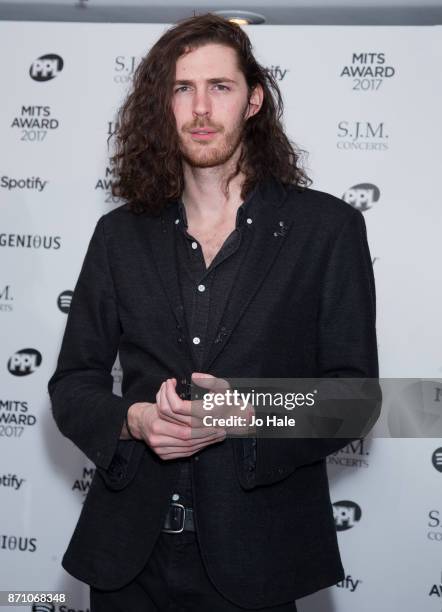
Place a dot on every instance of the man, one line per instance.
(222, 263)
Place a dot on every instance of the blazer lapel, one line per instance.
(269, 229)
(162, 243)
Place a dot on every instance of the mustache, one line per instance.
(203, 126)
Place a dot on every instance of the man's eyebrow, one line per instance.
(213, 80)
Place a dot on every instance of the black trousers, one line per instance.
(174, 579)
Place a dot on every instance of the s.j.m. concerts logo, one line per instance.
(362, 136)
(46, 67)
(354, 455)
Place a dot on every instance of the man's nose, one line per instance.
(201, 103)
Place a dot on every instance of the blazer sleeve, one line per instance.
(346, 348)
(83, 404)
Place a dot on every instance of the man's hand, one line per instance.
(237, 413)
(168, 427)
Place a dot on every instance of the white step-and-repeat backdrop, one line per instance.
(365, 102)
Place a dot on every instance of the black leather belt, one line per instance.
(178, 518)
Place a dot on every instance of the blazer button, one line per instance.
(179, 339)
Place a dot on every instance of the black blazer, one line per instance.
(304, 306)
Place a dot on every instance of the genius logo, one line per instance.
(24, 362)
(346, 514)
(46, 67)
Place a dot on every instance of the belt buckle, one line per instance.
(183, 515)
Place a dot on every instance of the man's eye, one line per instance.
(221, 87)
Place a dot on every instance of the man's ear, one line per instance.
(255, 101)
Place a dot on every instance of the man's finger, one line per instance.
(173, 453)
(190, 443)
(165, 408)
(210, 382)
(173, 430)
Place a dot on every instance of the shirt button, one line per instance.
(201, 288)
(175, 497)
(194, 245)
(196, 340)
(197, 458)
(249, 220)
(177, 221)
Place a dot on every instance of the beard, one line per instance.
(207, 154)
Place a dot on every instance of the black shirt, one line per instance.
(205, 292)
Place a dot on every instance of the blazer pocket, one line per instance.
(124, 464)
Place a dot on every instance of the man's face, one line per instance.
(210, 94)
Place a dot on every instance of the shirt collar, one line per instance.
(246, 207)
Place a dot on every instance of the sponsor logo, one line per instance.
(6, 299)
(82, 484)
(349, 584)
(435, 525)
(436, 459)
(346, 514)
(30, 241)
(64, 301)
(277, 72)
(24, 362)
(33, 183)
(20, 543)
(46, 67)
(34, 123)
(367, 71)
(14, 417)
(35, 117)
(112, 127)
(362, 136)
(435, 589)
(105, 182)
(124, 67)
(43, 607)
(362, 196)
(11, 481)
(353, 455)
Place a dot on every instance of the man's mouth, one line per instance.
(203, 134)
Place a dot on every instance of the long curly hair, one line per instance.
(147, 162)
